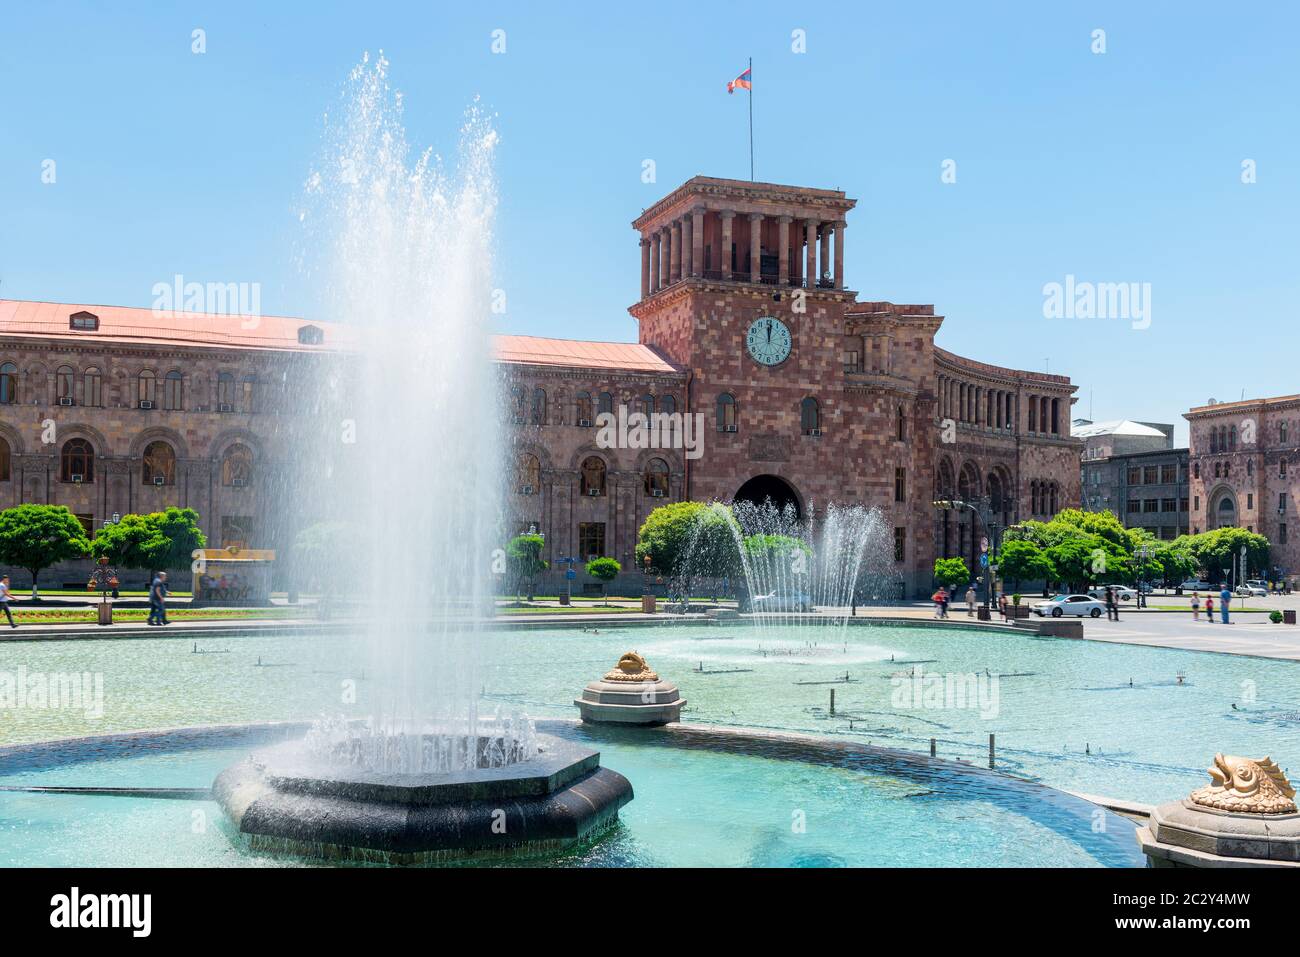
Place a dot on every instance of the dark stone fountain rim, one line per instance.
(558, 763)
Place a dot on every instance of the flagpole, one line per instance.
(751, 119)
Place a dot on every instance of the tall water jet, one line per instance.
(415, 404)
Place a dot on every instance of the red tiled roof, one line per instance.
(532, 350)
(125, 324)
(146, 326)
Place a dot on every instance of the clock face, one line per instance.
(768, 341)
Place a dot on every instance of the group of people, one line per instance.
(1225, 599)
(157, 600)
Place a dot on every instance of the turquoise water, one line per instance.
(1061, 699)
(692, 808)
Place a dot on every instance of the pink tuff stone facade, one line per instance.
(1243, 458)
(897, 421)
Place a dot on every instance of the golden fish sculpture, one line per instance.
(631, 667)
(1247, 786)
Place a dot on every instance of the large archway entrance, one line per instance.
(762, 488)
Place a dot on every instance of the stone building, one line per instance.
(807, 395)
(1133, 470)
(1244, 458)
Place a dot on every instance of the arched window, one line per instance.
(173, 392)
(656, 478)
(582, 409)
(1281, 468)
(4, 461)
(1250, 466)
(1196, 470)
(8, 383)
(517, 404)
(606, 404)
(1051, 492)
(726, 412)
(810, 417)
(593, 476)
(237, 466)
(1232, 439)
(1281, 432)
(249, 394)
(646, 405)
(147, 392)
(92, 388)
(667, 404)
(528, 474)
(900, 425)
(225, 392)
(1033, 497)
(77, 461)
(539, 406)
(159, 464)
(64, 377)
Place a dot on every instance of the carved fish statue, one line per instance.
(631, 667)
(1247, 786)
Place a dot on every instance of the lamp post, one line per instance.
(103, 579)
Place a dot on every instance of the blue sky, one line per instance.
(1118, 167)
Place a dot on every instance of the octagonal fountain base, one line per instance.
(282, 801)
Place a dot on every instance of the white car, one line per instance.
(1250, 590)
(1195, 584)
(1122, 591)
(1078, 605)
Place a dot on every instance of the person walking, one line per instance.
(4, 600)
(1112, 609)
(970, 601)
(158, 599)
(1225, 596)
(1196, 606)
(1209, 608)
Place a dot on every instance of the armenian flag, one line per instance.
(742, 82)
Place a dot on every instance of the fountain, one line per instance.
(791, 567)
(424, 774)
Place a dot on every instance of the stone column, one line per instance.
(725, 265)
(675, 232)
(656, 252)
(755, 246)
(839, 254)
(810, 227)
(783, 252)
(697, 241)
(645, 267)
(688, 247)
(824, 254)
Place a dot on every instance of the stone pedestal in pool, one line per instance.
(630, 694)
(1245, 818)
(284, 801)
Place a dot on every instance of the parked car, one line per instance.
(782, 601)
(1258, 583)
(1146, 588)
(1251, 590)
(1195, 584)
(1123, 591)
(1078, 605)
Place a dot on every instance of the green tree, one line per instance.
(604, 570)
(154, 542)
(35, 537)
(950, 572)
(1021, 561)
(526, 563)
(1216, 550)
(686, 540)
